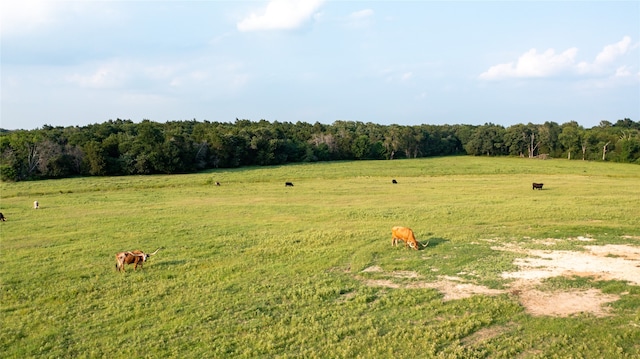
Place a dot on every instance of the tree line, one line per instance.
(122, 147)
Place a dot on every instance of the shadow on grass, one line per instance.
(432, 242)
(170, 263)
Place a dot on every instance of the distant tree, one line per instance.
(463, 133)
(549, 142)
(486, 140)
(361, 147)
(122, 147)
(344, 133)
(392, 141)
(587, 142)
(628, 146)
(95, 158)
(571, 138)
(627, 124)
(515, 140)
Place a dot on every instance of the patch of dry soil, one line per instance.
(608, 262)
(451, 287)
(564, 304)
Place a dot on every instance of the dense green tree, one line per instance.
(121, 147)
(361, 147)
(487, 140)
(550, 143)
(516, 140)
(571, 138)
(628, 147)
(95, 158)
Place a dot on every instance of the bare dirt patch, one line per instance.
(450, 289)
(372, 269)
(484, 334)
(564, 304)
(607, 262)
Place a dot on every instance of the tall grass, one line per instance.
(256, 269)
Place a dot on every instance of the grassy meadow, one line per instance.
(254, 269)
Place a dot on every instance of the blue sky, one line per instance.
(68, 63)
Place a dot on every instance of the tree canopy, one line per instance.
(122, 147)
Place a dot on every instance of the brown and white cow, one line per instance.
(136, 257)
(406, 235)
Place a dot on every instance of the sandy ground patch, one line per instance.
(621, 262)
(607, 262)
(372, 269)
(564, 304)
(485, 334)
(450, 289)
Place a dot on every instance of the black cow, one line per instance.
(2, 217)
(288, 184)
(394, 181)
(537, 186)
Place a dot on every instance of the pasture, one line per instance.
(255, 269)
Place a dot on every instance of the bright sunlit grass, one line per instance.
(256, 269)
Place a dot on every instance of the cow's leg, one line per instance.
(119, 262)
(394, 241)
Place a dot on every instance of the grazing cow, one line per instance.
(2, 217)
(288, 184)
(406, 235)
(394, 181)
(537, 185)
(136, 257)
(217, 183)
(36, 205)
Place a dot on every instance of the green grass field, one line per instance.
(254, 269)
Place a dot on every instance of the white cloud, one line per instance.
(362, 14)
(18, 17)
(360, 18)
(623, 71)
(533, 64)
(606, 57)
(26, 17)
(107, 75)
(406, 76)
(281, 15)
(613, 51)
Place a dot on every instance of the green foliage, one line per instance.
(252, 268)
(8, 173)
(122, 147)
